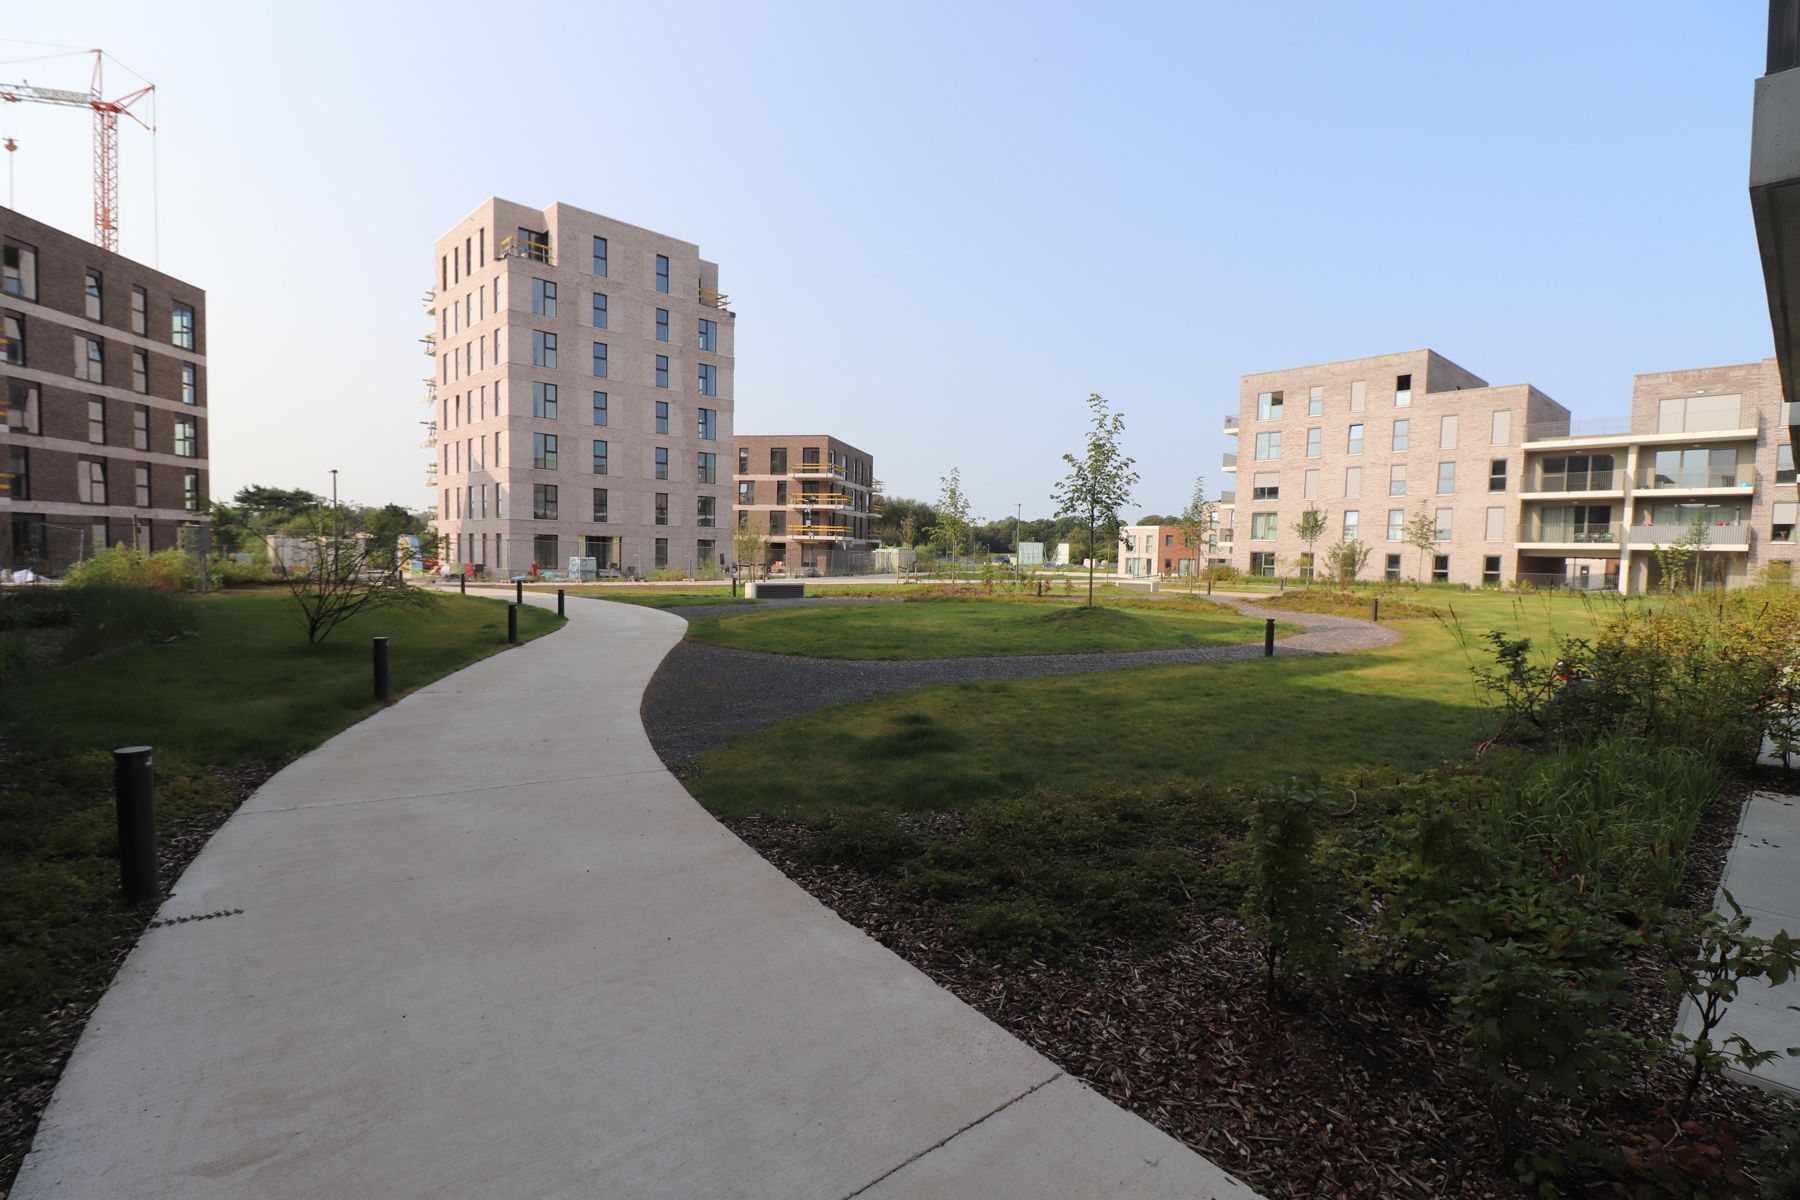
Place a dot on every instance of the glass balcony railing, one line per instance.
(1231, 424)
(1230, 462)
(1570, 533)
(1650, 479)
(1584, 481)
(1718, 537)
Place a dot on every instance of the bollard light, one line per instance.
(134, 788)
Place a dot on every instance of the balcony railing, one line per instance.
(822, 500)
(1544, 431)
(713, 299)
(1588, 481)
(1650, 479)
(430, 300)
(818, 532)
(1229, 463)
(1227, 498)
(1718, 537)
(814, 470)
(534, 249)
(429, 341)
(1231, 424)
(1569, 534)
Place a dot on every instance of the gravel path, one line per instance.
(702, 695)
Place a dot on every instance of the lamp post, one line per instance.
(1018, 512)
(336, 525)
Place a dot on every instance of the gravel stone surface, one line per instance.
(703, 696)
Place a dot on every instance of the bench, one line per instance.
(769, 590)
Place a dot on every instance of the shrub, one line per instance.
(870, 842)
(229, 572)
(127, 566)
(1293, 902)
(667, 575)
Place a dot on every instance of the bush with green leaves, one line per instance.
(1295, 899)
(126, 566)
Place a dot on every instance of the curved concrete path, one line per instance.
(490, 948)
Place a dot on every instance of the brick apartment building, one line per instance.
(1518, 491)
(582, 394)
(103, 370)
(1150, 551)
(812, 496)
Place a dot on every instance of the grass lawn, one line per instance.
(958, 628)
(1410, 706)
(691, 596)
(222, 707)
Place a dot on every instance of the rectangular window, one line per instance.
(662, 273)
(662, 373)
(707, 419)
(543, 502)
(662, 553)
(1443, 518)
(1268, 406)
(1402, 435)
(90, 481)
(1309, 489)
(705, 551)
(91, 299)
(97, 422)
(662, 416)
(1262, 562)
(190, 386)
(1500, 431)
(746, 491)
(1315, 402)
(1495, 530)
(543, 298)
(1447, 432)
(743, 460)
(1391, 572)
(600, 257)
(599, 506)
(599, 457)
(1440, 568)
(140, 371)
(22, 407)
(1397, 479)
(662, 508)
(544, 550)
(543, 400)
(543, 451)
(1446, 479)
(778, 459)
(1352, 483)
(1263, 526)
(140, 315)
(1356, 439)
(90, 361)
(599, 310)
(18, 270)
(1784, 463)
(1490, 571)
(599, 408)
(1396, 524)
(709, 380)
(709, 335)
(778, 522)
(1268, 446)
(1265, 485)
(1402, 391)
(543, 348)
(1497, 475)
(599, 360)
(1314, 442)
(1359, 395)
(18, 487)
(12, 339)
(706, 512)
(1352, 520)
(181, 325)
(143, 487)
(662, 462)
(140, 428)
(662, 324)
(1783, 515)
(708, 467)
(190, 491)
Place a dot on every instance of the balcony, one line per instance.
(822, 500)
(713, 299)
(1598, 427)
(818, 533)
(815, 471)
(1227, 499)
(431, 301)
(1557, 483)
(1790, 414)
(532, 249)
(1718, 537)
(1649, 479)
(1229, 463)
(1231, 426)
(1555, 533)
(429, 341)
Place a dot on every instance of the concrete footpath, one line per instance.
(489, 948)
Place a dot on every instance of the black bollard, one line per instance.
(381, 669)
(1375, 609)
(512, 624)
(134, 786)
(1269, 638)
(462, 584)
(519, 591)
(1209, 585)
(559, 603)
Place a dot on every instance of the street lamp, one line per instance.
(336, 525)
(1018, 511)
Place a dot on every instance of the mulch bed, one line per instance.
(1355, 1093)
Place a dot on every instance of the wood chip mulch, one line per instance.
(1353, 1093)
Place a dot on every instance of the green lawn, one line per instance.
(1410, 706)
(958, 628)
(694, 596)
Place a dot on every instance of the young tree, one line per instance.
(1681, 559)
(1099, 483)
(1420, 532)
(1196, 521)
(952, 528)
(747, 543)
(1311, 527)
(337, 571)
(1347, 559)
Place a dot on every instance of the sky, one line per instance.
(942, 225)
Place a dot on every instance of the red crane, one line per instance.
(106, 138)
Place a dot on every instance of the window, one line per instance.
(1781, 524)
(1497, 475)
(1397, 479)
(543, 550)
(778, 460)
(543, 451)
(18, 270)
(543, 502)
(22, 407)
(12, 339)
(599, 457)
(1268, 406)
(1496, 526)
(599, 360)
(1268, 446)
(1263, 526)
(190, 491)
(599, 506)
(532, 245)
(1352, 519)
(543, 400)
(662, 274)
(1447, 432)
(1396, 524)
(599, 408)
(662, 416)
(1402, 435)
(181, 325)
(140, 317)
(662, 509)
(140, 428)
(600, 257)
(1698, 414)
(543, 349)
(1442, 517)
(190, 387)
(1309, 489)
(777, 523)
(1359, 395)
(1352, 483)
(1446, 479)
(1262, 562)
(90, 363)
(140, 371)
(19, 464)
(90, 482)
(746, 491)
(599, 311)
(705, 551)
(1391, 572)
(1265, 485)
(1402, 390)
(1440, 568)
(1784, 463)
(662, 324)
(1500, 429)
(1314, 440)
(1580, 473)
(1168, 539)
(97, 422)
(662, 553)
(662, 462)
(707, 466)
(91, 301)
(743, 460)
(707, 419)
(662, 375)
(709, 335)
(1315, 402)
(543, 298)
(143, 487)
(709, 380)
(706, 512)
(1356, 439)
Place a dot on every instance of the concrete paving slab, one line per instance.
(489, 947)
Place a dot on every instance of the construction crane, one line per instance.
(106, 137)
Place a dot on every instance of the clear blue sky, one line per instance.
(942, 225)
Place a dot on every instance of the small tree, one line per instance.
(1346, 560)
(1197, 521)
(1420, 532)
(952, 528)
(335, 573)
(747, 543)
(1311, 527)
(1099, 483)
(1679, 558)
